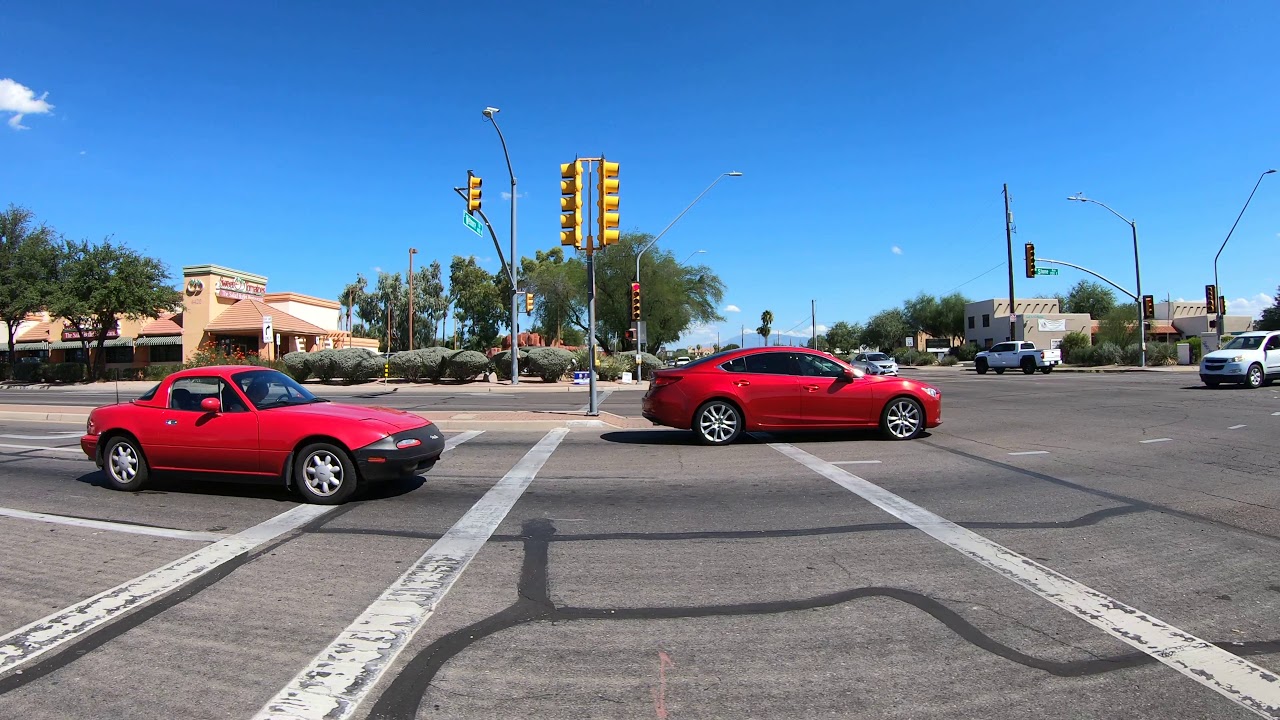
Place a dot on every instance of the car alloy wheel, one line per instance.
(717, 423)
(124, 464)
(903, 419)
(1254, 379)
(323, 473)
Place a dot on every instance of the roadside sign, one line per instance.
(1046, 271)
(911, 342)
(268, 334)
(469, 220)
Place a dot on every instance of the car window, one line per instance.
(736, 365)
(270, 388)
(231, 400)
(814, 366)
(771, 363)
(1028, 346)
(1274, 343)
(878, 357)
(187, 393)
(1249, 342)
(1002, 347)
(148, 395)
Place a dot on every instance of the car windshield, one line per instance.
(268, 389)
(877, 357)
(1250, 342)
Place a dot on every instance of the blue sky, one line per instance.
(311, 141)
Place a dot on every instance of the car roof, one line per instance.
(1252, 333)
(218, 370)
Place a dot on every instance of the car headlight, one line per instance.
(931, 392)
(1238, 358)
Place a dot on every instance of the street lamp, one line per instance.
(1216, 286)
(695, 252)
(489, 113)
(1137, 267)
(412, 252)
(734, 173)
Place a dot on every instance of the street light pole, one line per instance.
(652, 242)
(1137, 267)
(412, 252)
(489, 113)
(1216, 286)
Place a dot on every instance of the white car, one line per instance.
(887, 365)
(682, 360)
(1251, 359)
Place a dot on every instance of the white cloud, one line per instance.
(377, 268)
(21, 100)
(84, 152)
(1252, 306)
(897, 250)
(507, 196)
(731, 308)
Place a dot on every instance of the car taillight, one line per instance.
(659, 381)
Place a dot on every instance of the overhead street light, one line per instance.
(1217, 307)
(695, 252)
(489, 113)
(721, 176)
(1137, 267)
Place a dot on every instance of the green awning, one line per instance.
(158, 340)
(31, 346)
(76, 344)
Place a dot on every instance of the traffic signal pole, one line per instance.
(1008, 238)
(511, 268)
(593, 409)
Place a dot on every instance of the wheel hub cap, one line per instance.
(323, 473)
(718, 423)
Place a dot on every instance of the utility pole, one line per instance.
(742, 341)
(1008, 238)
(592, 409)
(412, 252)
(813, 323)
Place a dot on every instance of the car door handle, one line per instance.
(170, 422)
(811, 388)
(742, 383)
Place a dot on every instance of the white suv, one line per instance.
(1251, 358)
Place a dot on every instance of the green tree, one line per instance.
(350, 300)
(27, 261)
(1119, 326)
(886, 329)
(766, 325)
(1270, 319)
(479, 303)
(559, 288)
(430, 303)
(844, 336)
(99, 284)
(730, 346)
(1095, 299)
(950, 321)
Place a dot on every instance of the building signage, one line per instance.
(1052, 325)
(237, 288)
(90, 332)
(194, 286)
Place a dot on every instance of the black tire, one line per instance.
(981, 367)
(999, 371)
(1212, 383)
(1028, 366)
(124, 464)
(1255, 378)
(324, 474)
(902, 419)
(718, 422)
(1046, 369)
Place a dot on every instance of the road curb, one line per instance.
(497, 420)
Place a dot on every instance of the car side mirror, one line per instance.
(212, 405)
(849, 376)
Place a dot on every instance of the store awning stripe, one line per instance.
(76, 344)
(158, 340)
(31, 346)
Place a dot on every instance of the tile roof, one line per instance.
(166, 324)
(246, 316)
(39, 333)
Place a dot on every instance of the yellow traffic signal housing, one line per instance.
(528, 303)
(608, 203)
(635, 301)
(473, 191)
(571, 203)
(1031, 259)
(1211, 298)
(1222, 304)
(1148, 306)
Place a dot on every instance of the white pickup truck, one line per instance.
(1017, 354)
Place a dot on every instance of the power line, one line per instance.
(966, 282)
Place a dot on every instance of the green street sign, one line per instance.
(1046, 271)
(474, 224)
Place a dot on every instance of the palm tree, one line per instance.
(766, 325)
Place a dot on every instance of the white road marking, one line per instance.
(31, 641)
(1237, 427)
(46, 436)
(114, 526)
(1275, 413)
(338, 679)
(44, 447)
(601, 396)
(856, 462)
(1155, 440)
(1244, 683)
(458, 439)
(1031, 452)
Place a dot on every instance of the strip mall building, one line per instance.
(227, 308)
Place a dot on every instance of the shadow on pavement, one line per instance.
(165, 483)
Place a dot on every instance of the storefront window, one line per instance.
(166, 353)
(119, 354)
(76, 355)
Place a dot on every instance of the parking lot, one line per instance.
(1058, 548)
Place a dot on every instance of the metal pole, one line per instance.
(592, 408)
(1142, 320)
(813, 323)
(1008, 239)
(411, 252)
(511, 267)
(1218, 288)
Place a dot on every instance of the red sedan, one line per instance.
(258, 425)
(720, 396)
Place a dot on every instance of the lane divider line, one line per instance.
(1244, 683)
(856, 462)
(171, 533)
(1031, 452)
(342, 675)
(35, 639)
(1237, 427)
(1155, 440)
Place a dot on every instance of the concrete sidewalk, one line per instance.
(133, 388)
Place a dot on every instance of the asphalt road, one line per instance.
(634, 574)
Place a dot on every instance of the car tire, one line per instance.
(981, 367)
(1254, 378)
(999, 371)
(718, 422)
(324, 474)
(124, 464)
(902, 419)
(1028, 366)
(1046, 369)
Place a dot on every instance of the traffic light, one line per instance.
(608, 204)
(1211, 298)
(528, 303)
(1031, 260)
(1222, 304)
(473, 191)
(631, 335)
(1148, 306)
(571, 203)
(635, 301)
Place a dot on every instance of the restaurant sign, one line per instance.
(90, 332)
(237, 288)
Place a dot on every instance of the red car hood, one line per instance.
(398, 419)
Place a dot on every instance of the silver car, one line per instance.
(886, 364)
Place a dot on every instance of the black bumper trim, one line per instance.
(396, 462)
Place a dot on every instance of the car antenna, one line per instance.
(117, 388)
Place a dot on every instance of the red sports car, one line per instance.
(258, 425)
(720, 396)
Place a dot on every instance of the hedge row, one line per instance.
(433, 363)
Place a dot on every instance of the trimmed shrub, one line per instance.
(324, 364)
(1132, 354)
(159, 372)
(357, 366)
(1162, 354)
(611, 368)
(580, 358)
(435, 361)
(502, 363)
(927, 359)
(948, 360)
(1072, 344)
(966, 352)
(550, 363)
(1197, 349)
(408, 364)
(466, 365)
(1106, 353)
(28, 372)
(298, 365)
(67, 372)
(647, 361)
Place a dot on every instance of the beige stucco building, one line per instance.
(1037, 320)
